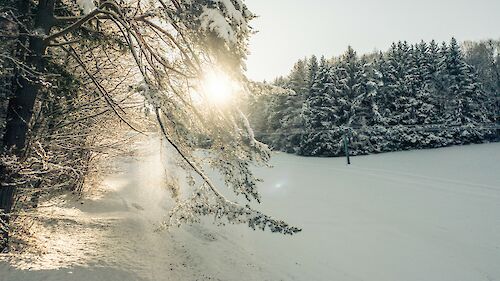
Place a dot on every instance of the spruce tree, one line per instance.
(320, 136)
(298, 78)
(365, 113)
(312, 71)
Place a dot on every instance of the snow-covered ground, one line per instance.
(416, 215)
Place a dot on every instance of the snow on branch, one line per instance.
(87, 6)
(213, 20)
(207, 200)
(226, 19)
(205, 203)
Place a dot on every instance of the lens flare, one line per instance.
(218, 87)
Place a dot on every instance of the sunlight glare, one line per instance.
(218, 87)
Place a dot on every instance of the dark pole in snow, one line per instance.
(346, 148)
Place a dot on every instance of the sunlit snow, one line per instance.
(415, 215)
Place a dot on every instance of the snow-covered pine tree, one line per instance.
(407, 82)
(448, 69)
(429, 62)
(298, 79)
(435, 84)
(453, 71)
(426, 108)
(344, 72)
(278, 109)
(365, 116)
(349, 82)
(349, 87)
(292, 123)
(389, 65)
(465, 106)
(321, 135)
(363, 103)
(484, 56)
(312, 70)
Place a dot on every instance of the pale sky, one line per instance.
(292, 29)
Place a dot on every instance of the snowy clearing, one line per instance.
(416, 215)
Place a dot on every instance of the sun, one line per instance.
(218, 87)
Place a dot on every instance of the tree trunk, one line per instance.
(21, 104)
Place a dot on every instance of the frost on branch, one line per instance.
(87, 6)
(205, 203)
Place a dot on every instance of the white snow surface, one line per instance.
(416, 215)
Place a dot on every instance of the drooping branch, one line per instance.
(222, 207)
(205, 178)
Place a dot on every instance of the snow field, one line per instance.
(414, 215)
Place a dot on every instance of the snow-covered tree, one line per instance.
(167, 48)
(298, 78)
(320, 136)
(412, 96)
(465, 100)
(484, 56)
(312, 70)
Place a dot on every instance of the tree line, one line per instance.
(413, 96)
